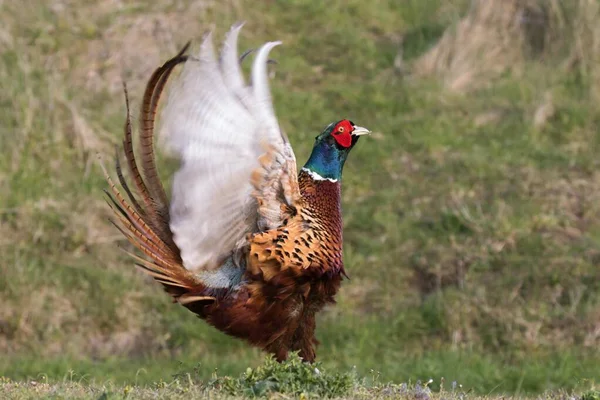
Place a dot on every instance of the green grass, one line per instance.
(472, 246)
(476, 373)
(290, 379)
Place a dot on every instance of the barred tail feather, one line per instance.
(145, 222)
(121, 177)
(152, 94)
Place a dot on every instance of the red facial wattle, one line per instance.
(342, 133)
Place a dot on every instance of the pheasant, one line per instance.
(246, 242)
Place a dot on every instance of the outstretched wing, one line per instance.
(238, 171)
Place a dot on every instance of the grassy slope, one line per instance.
(472, 247)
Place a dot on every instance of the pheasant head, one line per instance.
(331, 149)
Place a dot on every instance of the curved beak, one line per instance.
(359, 130)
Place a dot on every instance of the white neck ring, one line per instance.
(316, 176)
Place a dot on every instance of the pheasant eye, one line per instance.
(341, 129)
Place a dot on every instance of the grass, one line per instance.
(290, 379)
(471, 230)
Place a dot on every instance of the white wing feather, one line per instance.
(218, 127)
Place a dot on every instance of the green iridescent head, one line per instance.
(331, 149)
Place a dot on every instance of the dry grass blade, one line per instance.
(494, 36)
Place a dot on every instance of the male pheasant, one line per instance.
(247, 243)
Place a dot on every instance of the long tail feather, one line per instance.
(145, 222)
(138, 181)
(151, 98)
(150, 189)
(125, 186)
(127, 212)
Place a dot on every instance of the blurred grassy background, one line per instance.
(472, 214)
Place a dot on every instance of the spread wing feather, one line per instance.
(219, 128)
